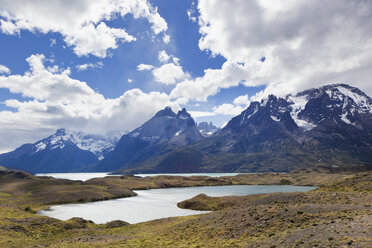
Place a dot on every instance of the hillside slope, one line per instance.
(64, 151)
(163, 133)
(329, 126)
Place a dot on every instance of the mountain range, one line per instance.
(64, 151)
(161, 134)
(330, 126)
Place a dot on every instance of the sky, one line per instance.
(109, 65)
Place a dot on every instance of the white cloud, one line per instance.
(169, 74)
(163, 57)
(239, 104)
(181, 101)
(228, 109)
(166, 38)
(305, 44)
(53, 42)
(190, 14)
(197, 114)
(84, 67)
(96, 40)
(4, 69)
(56, 100)
(81, 23)
(130, 80)
(231, 74)
(242, 100)
(144, 67)
(176, 60)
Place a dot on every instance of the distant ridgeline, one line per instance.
(64, 151)
(327, 127)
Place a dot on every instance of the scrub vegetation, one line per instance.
(338, 213)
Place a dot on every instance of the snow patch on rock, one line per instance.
(96, 144)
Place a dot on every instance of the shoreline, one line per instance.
(247, 221)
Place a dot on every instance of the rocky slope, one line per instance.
(63, 151)
(207, 129)
(337, 214)
(164, 132)
(329, 126)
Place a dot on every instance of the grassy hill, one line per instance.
(336, 214)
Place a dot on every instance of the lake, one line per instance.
(156, 203)
(86, 176)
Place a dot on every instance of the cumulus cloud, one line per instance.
(305, 44)
(130, 80)
(84, 67)
(81, 23)
(242, 100)
(53, 99)
(287, 46)
(169, 74)
(228, 109)
(144, 67)
(200, 88)
(239, 104)
(4, 69)
(163, 57)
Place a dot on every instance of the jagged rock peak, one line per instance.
(167, 111)
(207, 129)
(60, 131)
(339, 93)
(309, 108)
(183, 114)
(164, 125)
(339, 102)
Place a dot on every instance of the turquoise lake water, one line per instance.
(156, 203)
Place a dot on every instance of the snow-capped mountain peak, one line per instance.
(337, 101)
(350, 96)
(297, 105)
(308, 109)
(98, 145)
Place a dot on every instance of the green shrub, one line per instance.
(285, 182)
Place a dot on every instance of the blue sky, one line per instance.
(100, 66)
(111, 78)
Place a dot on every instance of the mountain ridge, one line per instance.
(62, 151)
(161, 134)
(330, 126)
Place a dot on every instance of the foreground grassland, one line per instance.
(337, 214)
